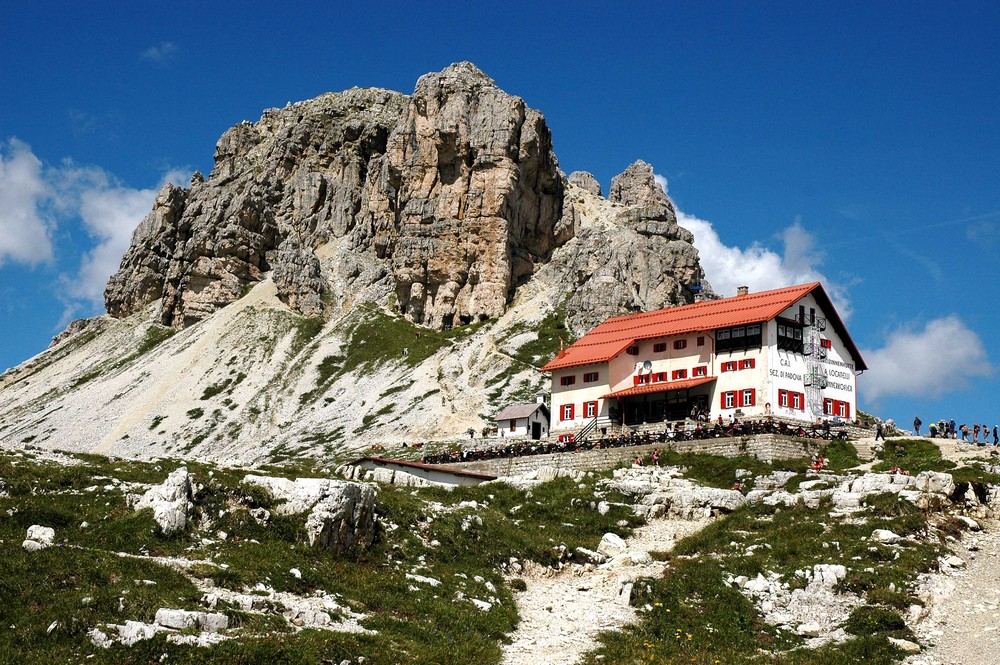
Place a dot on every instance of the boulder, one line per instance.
(968, 522)
(935, 483)
(39, 537)
(211, 622)
(611, 544)
(583, 555)
(885, 537)
(344, 518)
(170, 501)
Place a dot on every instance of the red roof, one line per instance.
(649, 388)
(612, 337)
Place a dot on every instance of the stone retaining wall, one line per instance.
(766, 447)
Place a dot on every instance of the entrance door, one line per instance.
(536, 431)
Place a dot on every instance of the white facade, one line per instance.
(795, 365)
(536, 422)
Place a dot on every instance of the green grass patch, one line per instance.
(552, 332)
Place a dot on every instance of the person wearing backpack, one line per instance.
(916, 425)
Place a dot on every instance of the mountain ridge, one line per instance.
(436, 227)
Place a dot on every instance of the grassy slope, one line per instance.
(425, 626)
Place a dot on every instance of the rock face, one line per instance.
(637, 186)
(446, 199)
(587, 182)
(465, 200)
(438, 205)
(624, 258)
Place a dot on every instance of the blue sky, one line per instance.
(856, 143)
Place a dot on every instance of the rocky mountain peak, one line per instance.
(324, 232)
(637, 186)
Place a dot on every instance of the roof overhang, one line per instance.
(385, 461)
(651, 388)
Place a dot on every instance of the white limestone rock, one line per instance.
(935, 483)
(968, 522)
(170, 501)
(38, 538)
(905, 646)
(885, 537)
(611, 545)
(344, 518)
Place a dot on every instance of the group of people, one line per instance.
(679, 431)
(947, 429)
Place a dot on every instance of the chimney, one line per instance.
(742, 290)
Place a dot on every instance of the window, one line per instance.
(746, 364)
(680, 344)
(632, 350)
(568, 380)
(826, 343)
(789, 336)
(567, 411)
(679, 374)
(729, 400)
(797, 401)
(783, 398)
(660, 376)
(748, 397)
(590, 377)
(700, 371)
(738, 338)
(641, 379)
(590, 409)
(513, 424)
(701, 340)
(729, 366)
(660, 348)
(833, 407)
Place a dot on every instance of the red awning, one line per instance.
(648, 388)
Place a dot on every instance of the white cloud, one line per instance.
(109, 213)
(161, 53)
(25, 231)
(661, 181)
(728, 267)
(928, 363)
(37, 200)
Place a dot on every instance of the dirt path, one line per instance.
(562, 612)
(963, 622)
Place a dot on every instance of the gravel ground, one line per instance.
(562, 612)
(963, 619)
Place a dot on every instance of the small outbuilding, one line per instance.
(392, 469)
(523, 420)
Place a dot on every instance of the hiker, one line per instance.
(975, 433)
(933, 430)
(879, 431)
(996, 435)
(916, 425)
(656, 456)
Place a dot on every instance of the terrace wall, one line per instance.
(765, 447)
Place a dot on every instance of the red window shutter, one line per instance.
(572, 411)
(722, 402)
(847, 409)
(739, 399)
